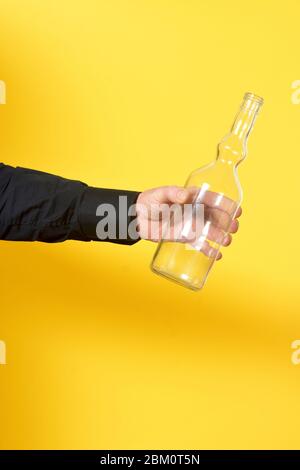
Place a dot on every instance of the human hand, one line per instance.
(220, 215)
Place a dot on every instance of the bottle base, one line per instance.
(176, 280)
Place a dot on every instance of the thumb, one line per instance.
(172, 194)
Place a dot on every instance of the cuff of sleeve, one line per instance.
(109, 215)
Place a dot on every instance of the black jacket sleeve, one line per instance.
(38, 206)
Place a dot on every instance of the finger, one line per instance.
(200, 243)
(174, 194)
(169, 194)
(181, 195)
(207, 249)
(227, 240)
(218, 201)
(218, 236)
(218, 218)
(239, 212)
(209, 231)
(234, 226)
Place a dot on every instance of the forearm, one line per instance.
(38, 206)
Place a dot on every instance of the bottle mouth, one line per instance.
(254, 98)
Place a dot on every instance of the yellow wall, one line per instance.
(101, 353)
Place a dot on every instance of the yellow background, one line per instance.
(101, 353)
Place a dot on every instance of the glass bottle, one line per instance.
(216, 188)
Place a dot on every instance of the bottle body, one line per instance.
(188, 263)
(188, 260)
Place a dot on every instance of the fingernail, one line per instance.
(181, 194)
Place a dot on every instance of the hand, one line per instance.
(152, 215)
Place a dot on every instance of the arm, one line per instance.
(38, 206)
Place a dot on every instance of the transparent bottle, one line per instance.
(218, 190)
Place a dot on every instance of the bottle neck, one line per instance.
(245, 119)
(233, 147)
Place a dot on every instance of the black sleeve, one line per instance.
(38, 206)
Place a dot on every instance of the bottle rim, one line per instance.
(253, 97)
